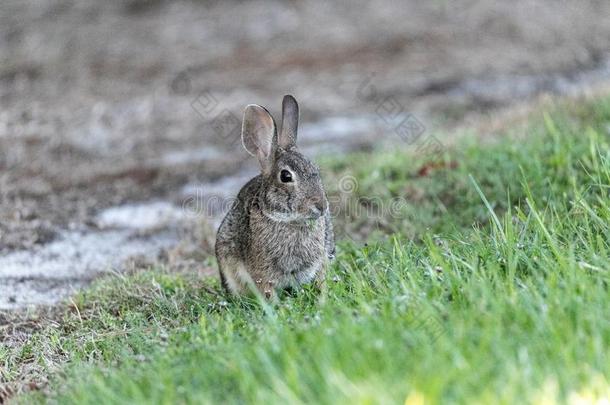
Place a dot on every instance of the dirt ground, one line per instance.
(117, 116)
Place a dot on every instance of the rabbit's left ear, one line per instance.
(259, 136)
(290, 121)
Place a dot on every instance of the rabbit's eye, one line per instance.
(285, 176)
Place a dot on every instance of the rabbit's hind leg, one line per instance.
(234, 276)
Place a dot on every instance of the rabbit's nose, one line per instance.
(320, 206)
(317, 205)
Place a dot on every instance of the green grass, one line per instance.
(492, 287)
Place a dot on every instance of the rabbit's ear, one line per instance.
(290, 121)
(259, 136)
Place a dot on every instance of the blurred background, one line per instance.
(119, 119)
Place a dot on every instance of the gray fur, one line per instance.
(276, 235)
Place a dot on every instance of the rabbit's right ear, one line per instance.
(259, 136)
(290, 122)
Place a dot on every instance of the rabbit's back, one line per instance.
(232, 235)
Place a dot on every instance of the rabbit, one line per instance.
(278, 233)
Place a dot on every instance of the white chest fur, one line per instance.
(294, 252)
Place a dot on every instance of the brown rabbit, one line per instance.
(278, 233)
